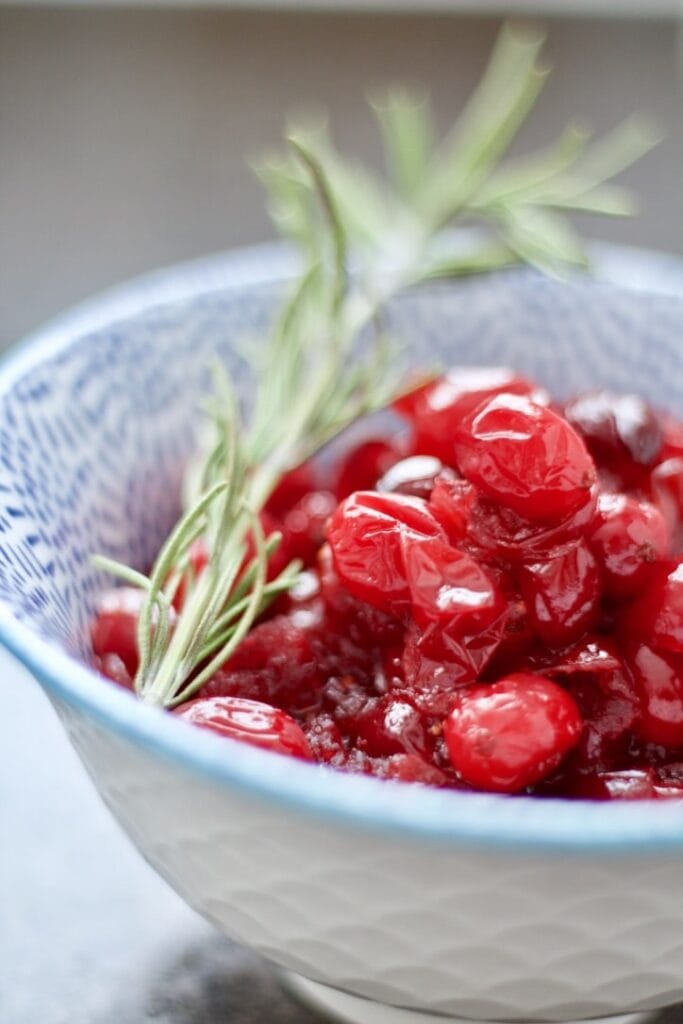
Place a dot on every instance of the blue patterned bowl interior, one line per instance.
(98, 413)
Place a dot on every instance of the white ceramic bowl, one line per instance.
(440, 903)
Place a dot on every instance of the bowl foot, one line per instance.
(350, 1009)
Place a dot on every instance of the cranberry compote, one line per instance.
(492, 600)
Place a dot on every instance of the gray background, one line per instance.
(123, 133)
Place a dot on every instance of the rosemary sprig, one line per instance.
(328, 358)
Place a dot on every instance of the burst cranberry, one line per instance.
(325, 739)
(448, 586)
(525, 457)
(365, 464)
(562, 594)
(609, 706)
(414, 475)
(305, 524)
(410, 768)
(248, 721)
(276, 663)
(657, 615)
(628, 537)
(658, 677)
(672, 439)
(391, 725)
(509, 735)
(365, 535)
(451, 501)
(436, 409)
(114, 630)
(499, 532)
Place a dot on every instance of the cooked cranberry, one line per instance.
(631, 784)
(248, 721)
(410, 768)
(292, 487)
(502, 533)
(672, 439)
(628, 537)
(666, 482)
(511, 734)
(616, 426)
(414, 475)
(365, 464)
(325, 739)
(437, 408)
(305, 524)
(658, 677)
(451, 501)
(437, 664)
(114, 630)
(609, 706)
(365, 535)
(391, 725)
(525, 457)
(111, 666)
(276, 663)
(562, 594)
(657, 615)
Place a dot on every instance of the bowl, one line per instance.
(388, 902)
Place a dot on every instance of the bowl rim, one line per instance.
(443, 817)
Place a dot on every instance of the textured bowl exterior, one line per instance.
(482, 907)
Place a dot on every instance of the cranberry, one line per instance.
(305, 523)
(391, 725)
(525, 457)
(632, 784)
(509, 735)
(111, 666)
(114, 630)
(628, 537)
(250, 722)
(276, 663)
(437, 408)
(609, 706)
(292, 487)
(562, 594)
(451, 501)
(499, 532)
(658, 678)
(666, 483)
(615, 425)
(411, 768)
(657, 615)
(414, 475)
(325, 739)
(437, 664)
(365, 464)
(365, 535)
(672, 439)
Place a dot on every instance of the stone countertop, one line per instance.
(89, 934)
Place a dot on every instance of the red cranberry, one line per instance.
(666, 483)
(248, 721)
(658, 678)
(631, 784)
(292, 487)
(365, 535)
(437, 408)
(414, 475)
(562, 595)
(305, 524)
(609, 706)
(451, 501)
(672, 439)
(276, 663)
(657, 615)
(628, 537)
(509, 735)
(111, 666)
(365, 464)
(391, 725)
(411, 768)
(114, 630)
(525, 457)
(616, 426)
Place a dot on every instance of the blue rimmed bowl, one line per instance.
(389, 902)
